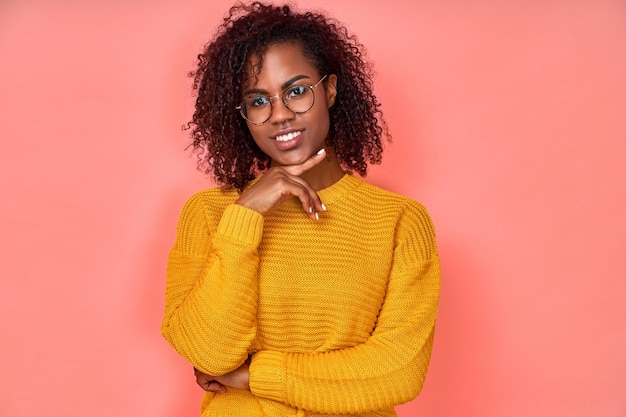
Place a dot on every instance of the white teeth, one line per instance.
(288, 136)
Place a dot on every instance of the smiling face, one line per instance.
(290, 138)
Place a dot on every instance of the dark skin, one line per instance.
(296, 168)
(299, 168)
(239, 379)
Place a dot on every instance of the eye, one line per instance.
(257, 101)
(295, 91)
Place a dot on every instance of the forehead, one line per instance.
(279, 63)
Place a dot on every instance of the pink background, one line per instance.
(509, 120)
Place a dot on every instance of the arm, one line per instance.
(212, 286)
(390, 367)
(211, 289)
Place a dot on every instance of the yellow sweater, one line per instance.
(338, 314)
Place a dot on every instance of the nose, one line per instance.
(280, 112)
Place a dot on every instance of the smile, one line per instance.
(288, 136)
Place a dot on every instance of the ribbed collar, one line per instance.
(346, 184)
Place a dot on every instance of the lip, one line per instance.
(284, 145)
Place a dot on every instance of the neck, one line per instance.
(326, 173)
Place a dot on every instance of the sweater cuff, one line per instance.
(242, 224)
(267, 375)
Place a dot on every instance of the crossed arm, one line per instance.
(385, 370)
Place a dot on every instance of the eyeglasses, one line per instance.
(299, 98)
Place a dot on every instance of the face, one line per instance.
(290, 138)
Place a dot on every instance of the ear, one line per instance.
(331, 90)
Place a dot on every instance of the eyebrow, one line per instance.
(283, 86)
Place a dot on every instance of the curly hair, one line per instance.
(221, 139)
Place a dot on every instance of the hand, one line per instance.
(239, 378)
(207, 382)
(281, 183)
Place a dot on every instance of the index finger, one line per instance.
(300, 169)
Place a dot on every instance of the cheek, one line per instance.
(257, 133)
(323, 113)
(322, 121)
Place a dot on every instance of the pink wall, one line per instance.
(509, 121)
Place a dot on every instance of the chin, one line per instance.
(294, 158)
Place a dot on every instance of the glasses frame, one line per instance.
(282, 96)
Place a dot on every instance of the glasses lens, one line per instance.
(299, 98)
(256, 109)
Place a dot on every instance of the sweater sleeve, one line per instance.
(390, 367)
(211, 287)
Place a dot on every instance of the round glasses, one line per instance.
(299, 98)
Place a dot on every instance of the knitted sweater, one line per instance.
(338, 314)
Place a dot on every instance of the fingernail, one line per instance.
(323, 207)
(310, 209)
(317, 217)
(321, 151)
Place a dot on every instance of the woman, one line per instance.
(296, 288)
